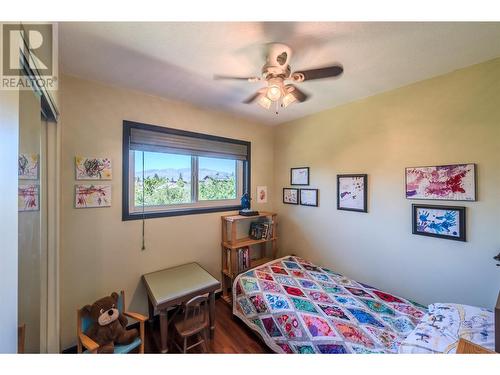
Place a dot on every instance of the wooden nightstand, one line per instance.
(467, 347)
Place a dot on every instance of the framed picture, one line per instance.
(439, 221)
(352, 192)
(93, 168)
(444, 182)
(309, 197)
(28, 167)
(299, 176)
(92, 196)
(261, 194)
(28, 198)
(290, 196)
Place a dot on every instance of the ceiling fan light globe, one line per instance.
(288, 99)
(274, 93)
(264, 102)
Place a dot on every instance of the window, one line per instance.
(169, 172)
(217, 179)
(161, 179)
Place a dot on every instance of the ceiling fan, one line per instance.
(276, 71)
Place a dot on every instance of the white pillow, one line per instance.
(443, 325)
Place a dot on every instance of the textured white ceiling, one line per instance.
(178, 60)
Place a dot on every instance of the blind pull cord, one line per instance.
(143, 203)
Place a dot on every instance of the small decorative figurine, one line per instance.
(245, 205)
(245, 201)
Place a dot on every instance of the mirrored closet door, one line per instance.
(37, 223)
(32, 219)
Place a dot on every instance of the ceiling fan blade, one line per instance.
(255, 96)
(249, 79)
(326, 72)
(252, 98)
(300, 95)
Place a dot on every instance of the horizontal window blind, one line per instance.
(159, 141)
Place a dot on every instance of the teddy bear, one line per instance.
(108, 324)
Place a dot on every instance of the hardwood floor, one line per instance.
(231, 335)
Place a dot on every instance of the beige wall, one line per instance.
(450, 119)
(454, 118)
(99, 252)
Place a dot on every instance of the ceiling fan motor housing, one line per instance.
(278, 61)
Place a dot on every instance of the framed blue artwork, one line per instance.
(439, 221)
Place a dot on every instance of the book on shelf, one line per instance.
(261, 230)
(243, 258)
(228, 260)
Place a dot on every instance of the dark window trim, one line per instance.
(126, 215)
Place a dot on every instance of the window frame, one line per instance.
(207, 206)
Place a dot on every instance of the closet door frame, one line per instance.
(50, 198)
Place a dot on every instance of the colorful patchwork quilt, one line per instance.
(299, 307)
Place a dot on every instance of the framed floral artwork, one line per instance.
(261, 194)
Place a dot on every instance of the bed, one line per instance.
(441, 328)
(298, 307)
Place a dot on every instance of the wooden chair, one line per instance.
(21, 335)
(193, 322)
(84, 322)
